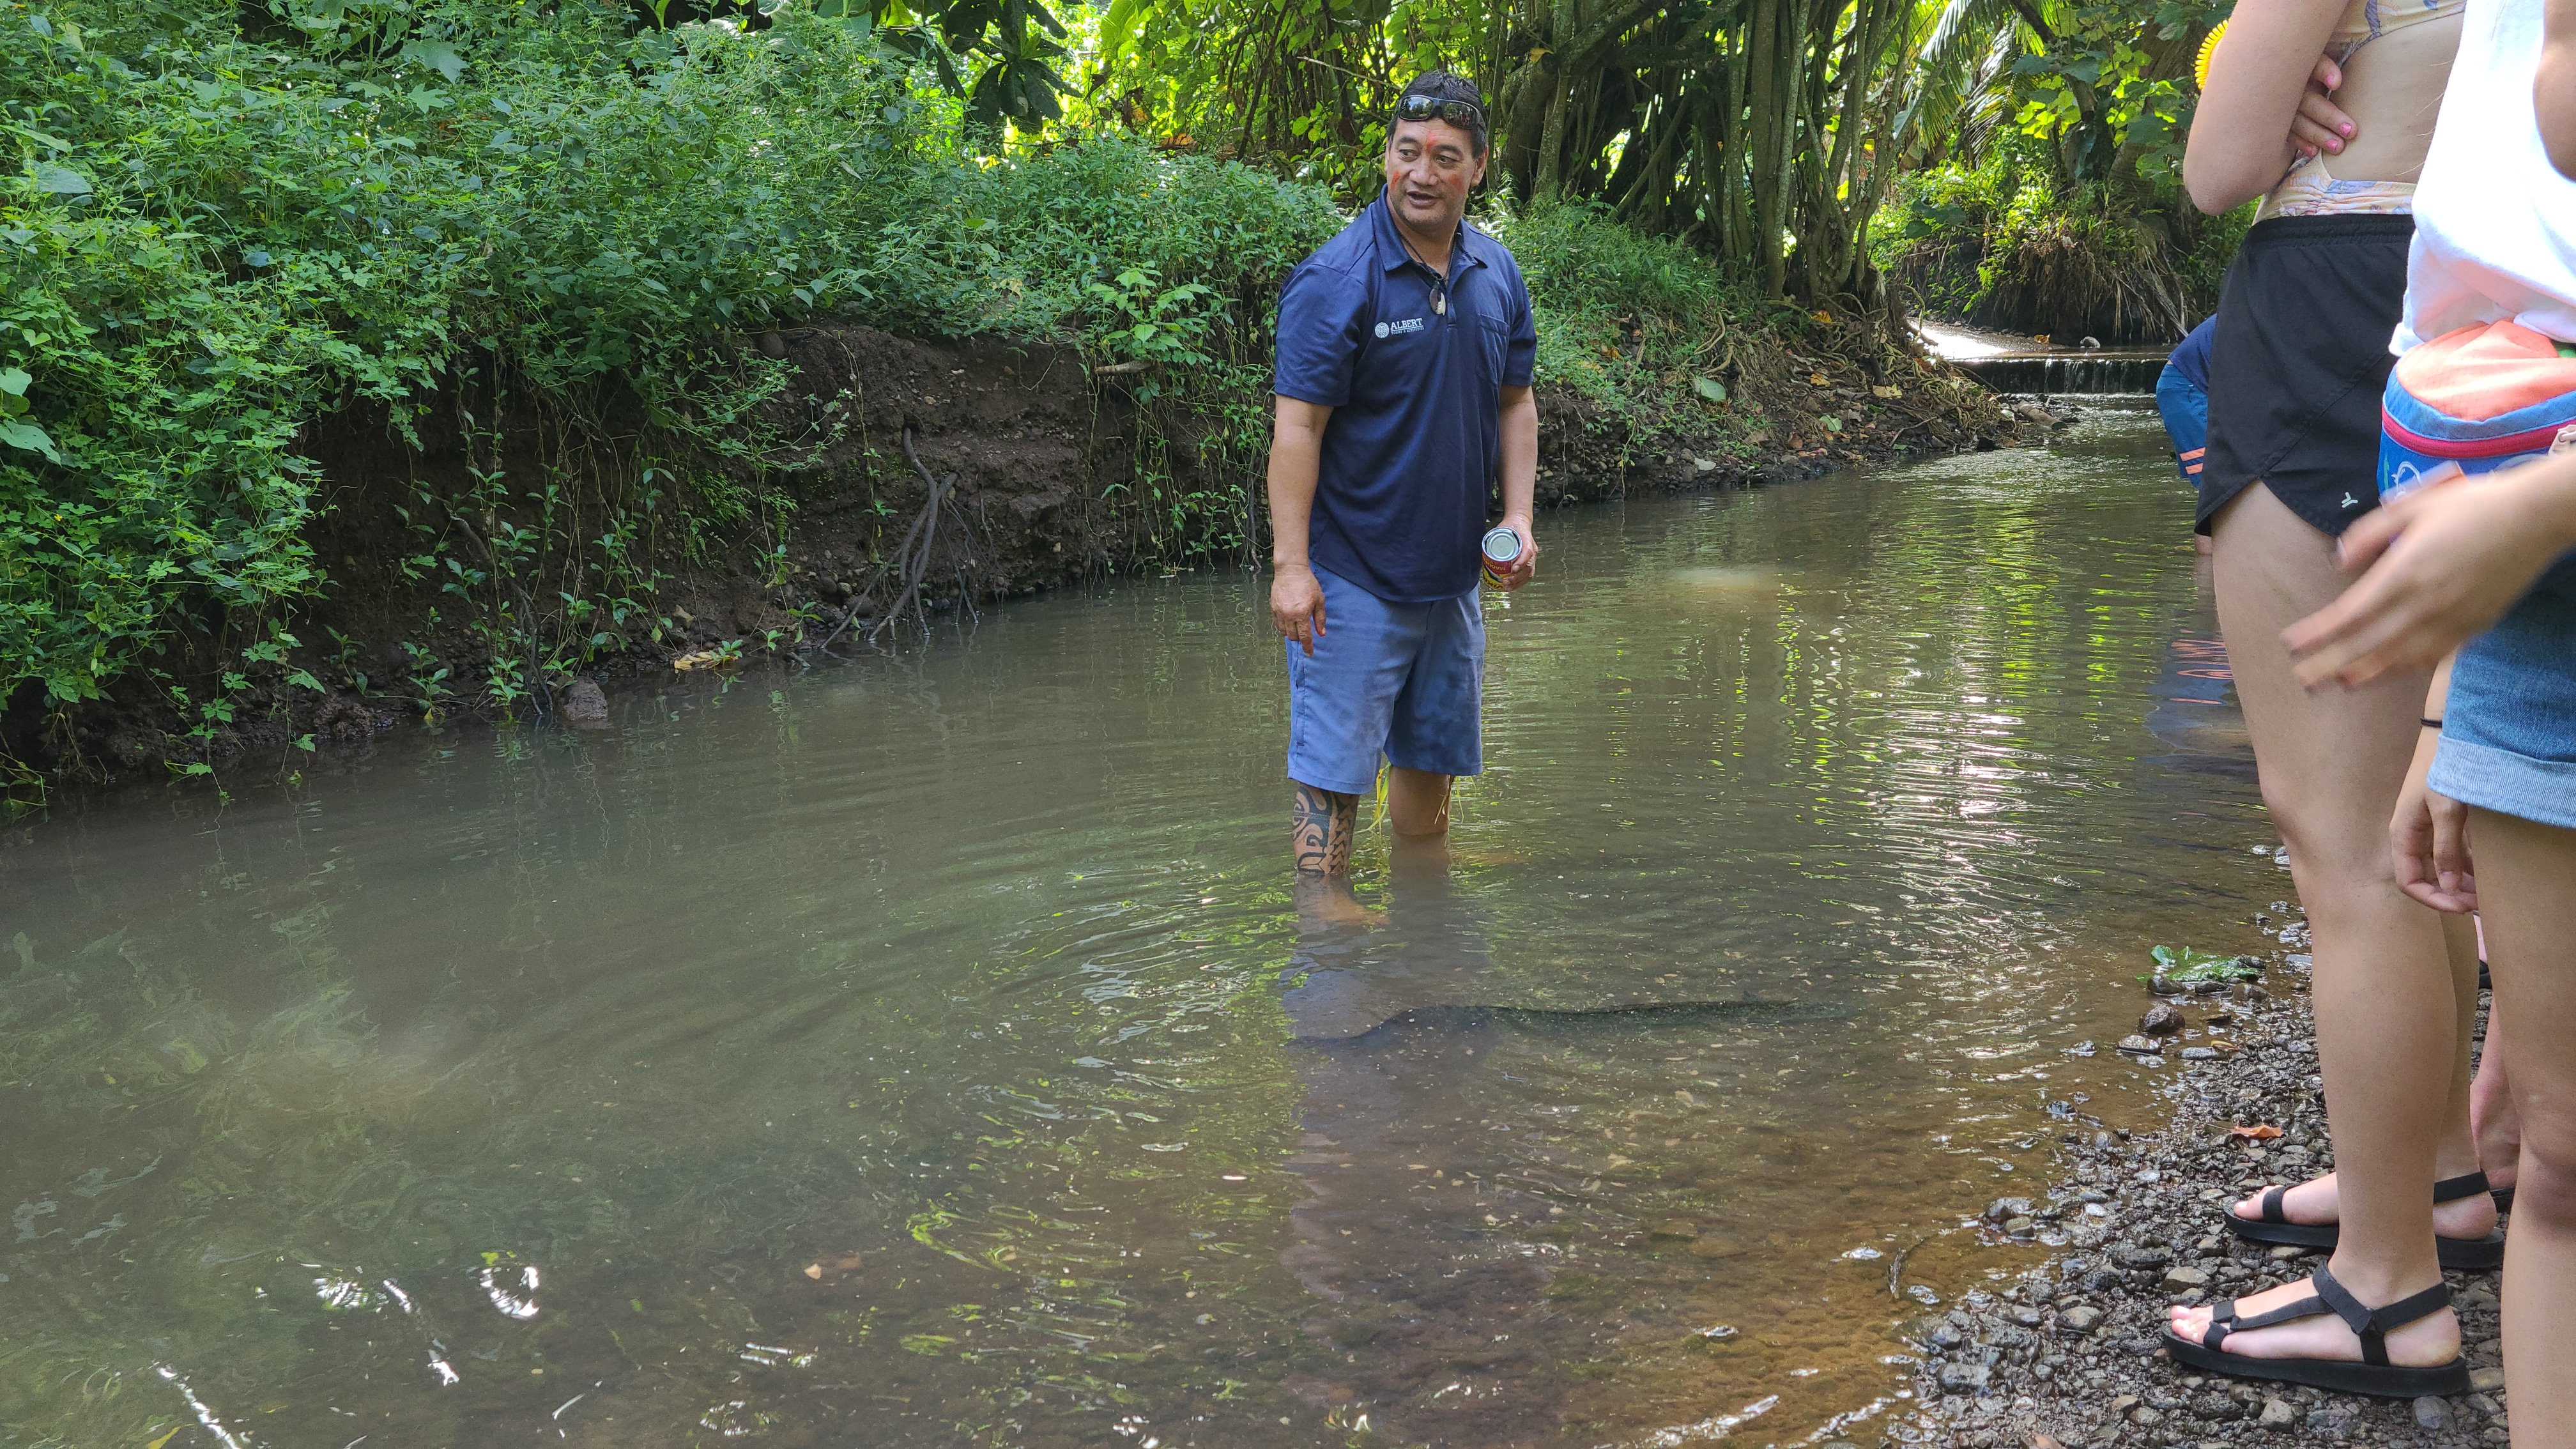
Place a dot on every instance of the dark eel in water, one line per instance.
(1420, 1021)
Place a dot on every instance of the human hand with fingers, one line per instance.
(1297, 605)
(1524, 568)
(2320, 124)
(2428, 839)
(2444, 562)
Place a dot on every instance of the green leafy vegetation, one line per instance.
(1748, 128)
(2188, 965)
(2043, 154)
(1784, 141)
(564, 246)
(217, 238)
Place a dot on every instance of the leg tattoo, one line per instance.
(1321, 825)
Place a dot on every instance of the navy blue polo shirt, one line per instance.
(1414, 447)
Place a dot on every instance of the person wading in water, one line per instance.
(1402, 403)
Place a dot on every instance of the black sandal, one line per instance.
(2373, 1375)
(2473, 1255)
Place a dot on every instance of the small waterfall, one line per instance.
(2074, 372)
(2027, 365)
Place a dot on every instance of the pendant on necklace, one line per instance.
(1439, 304)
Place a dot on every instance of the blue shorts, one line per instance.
(2509, 725)
(1406, 681)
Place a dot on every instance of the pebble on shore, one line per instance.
(2085, 1371)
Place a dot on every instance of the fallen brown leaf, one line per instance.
(2260, 1132)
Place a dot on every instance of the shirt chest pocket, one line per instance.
(1492, 340)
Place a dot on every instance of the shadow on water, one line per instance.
(933, 1050)
(1444, 1149)
(1417, 1023)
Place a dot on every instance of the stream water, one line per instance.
(927, 1049)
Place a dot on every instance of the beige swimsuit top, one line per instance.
(2311, 188)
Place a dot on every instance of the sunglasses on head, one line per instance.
(1434, 108)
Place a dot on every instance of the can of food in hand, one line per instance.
(1502, 549)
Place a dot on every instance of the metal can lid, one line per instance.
(1502, 545)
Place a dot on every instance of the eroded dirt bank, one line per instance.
(1048, 472)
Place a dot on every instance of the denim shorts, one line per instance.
(2509, 726)
(1403, 681)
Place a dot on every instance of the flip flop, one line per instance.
(2474, 1255)
(2503, 1197)
(2373, 1375)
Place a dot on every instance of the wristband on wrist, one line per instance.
(2431, 723)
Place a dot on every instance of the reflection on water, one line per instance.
(1752, 580)
(932, 1050)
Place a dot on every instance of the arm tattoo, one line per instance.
(1321, 825)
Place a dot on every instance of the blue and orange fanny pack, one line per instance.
(2484, 397)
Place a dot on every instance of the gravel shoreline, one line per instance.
(2066, 1355)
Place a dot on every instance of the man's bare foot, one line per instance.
(2428, 1342)
(1325, 902)
(2316, 1201)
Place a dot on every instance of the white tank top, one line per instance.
(2495, 224)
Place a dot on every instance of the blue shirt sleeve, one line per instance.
(1321, 312)
(1520, 355)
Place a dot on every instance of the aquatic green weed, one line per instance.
(2189, 965)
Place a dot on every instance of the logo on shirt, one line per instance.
(1409, 324)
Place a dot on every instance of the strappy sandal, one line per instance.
(2373, 1375)
(2473, 1255)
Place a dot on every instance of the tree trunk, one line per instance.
(1551, 147)
(1771, 57)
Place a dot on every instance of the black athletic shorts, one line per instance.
(2298, 361)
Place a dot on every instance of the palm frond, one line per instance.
(1965, 49)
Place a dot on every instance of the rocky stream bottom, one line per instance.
(2066, 1356)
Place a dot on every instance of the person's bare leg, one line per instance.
(1417, 802)
(2461, 1150)
(2456, 1155)
(2492, 1118)
(2330, 767)
(2491, 1111)
(2526, 886)
(1321, 824)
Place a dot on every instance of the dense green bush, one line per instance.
(213, 239)
(2006, 243)
(226, 224)
(1618, 311)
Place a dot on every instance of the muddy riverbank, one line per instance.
(2066, 1355)
(1048, 467)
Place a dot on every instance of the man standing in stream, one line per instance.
(1402, 405)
